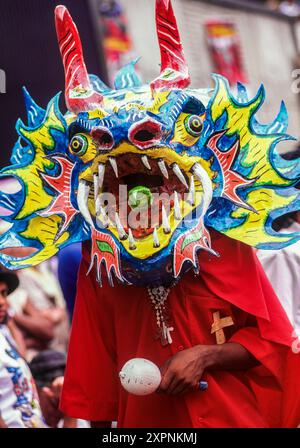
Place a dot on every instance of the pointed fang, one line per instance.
(191, 195)
(114, 165)
(177, 212)
(156, 242)
(132, 245)
(146, 162)
(204, 178)
(163, 168)
(165, 220)
(101, 172)
(178, 173)
(82, 201)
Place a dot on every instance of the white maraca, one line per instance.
(140, 376)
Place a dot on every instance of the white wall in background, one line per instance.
(267, 49)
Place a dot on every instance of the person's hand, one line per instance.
(49, 402)
(182, 372)
(55, 315)
(57, 386)
(53, 392)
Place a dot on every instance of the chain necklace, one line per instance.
(158, 297)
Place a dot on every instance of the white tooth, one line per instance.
(204, 178)
(82, 200)
(114, 165)
(122, 234)
(146, 162)
(101, 171)
(179, 174)
(156, 242)
(165, 220)
(96, 187)
(163, 168)
(132, 244)
(177, 212)
(191, 196)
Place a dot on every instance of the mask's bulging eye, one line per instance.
(78, 145)
(194, 125)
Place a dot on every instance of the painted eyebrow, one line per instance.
(79, 126)
(193, 106)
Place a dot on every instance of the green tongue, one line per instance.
(139, 197)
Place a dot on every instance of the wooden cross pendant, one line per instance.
(218, 325)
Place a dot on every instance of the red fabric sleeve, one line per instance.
(90, 391)
(237, 277)
(267, 379)
(291, 398)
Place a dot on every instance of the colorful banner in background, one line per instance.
(225, 50)
(116, 40)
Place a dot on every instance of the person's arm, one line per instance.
(55, 315)
(34, 323)
(184, 370)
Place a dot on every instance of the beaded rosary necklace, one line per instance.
(158, 297)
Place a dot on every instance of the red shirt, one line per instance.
(113, 325)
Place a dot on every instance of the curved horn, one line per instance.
(79, 94)
(174, 69)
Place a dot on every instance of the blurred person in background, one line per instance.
(283, 266)
(290, 8)
(283, 270)
(38, 308)
(44, 293)
(19, 403)
(48, 369)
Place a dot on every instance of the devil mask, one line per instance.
(143, 171)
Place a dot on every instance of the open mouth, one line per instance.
(143, 198)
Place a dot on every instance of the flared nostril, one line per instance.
(103, 138)
(145, 133)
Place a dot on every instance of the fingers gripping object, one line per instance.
(140, 376)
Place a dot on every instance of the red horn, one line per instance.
(79, 93)
(174, 69)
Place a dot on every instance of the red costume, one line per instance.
(191, 161)
(113, 325)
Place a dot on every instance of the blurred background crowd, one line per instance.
(248, 41)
